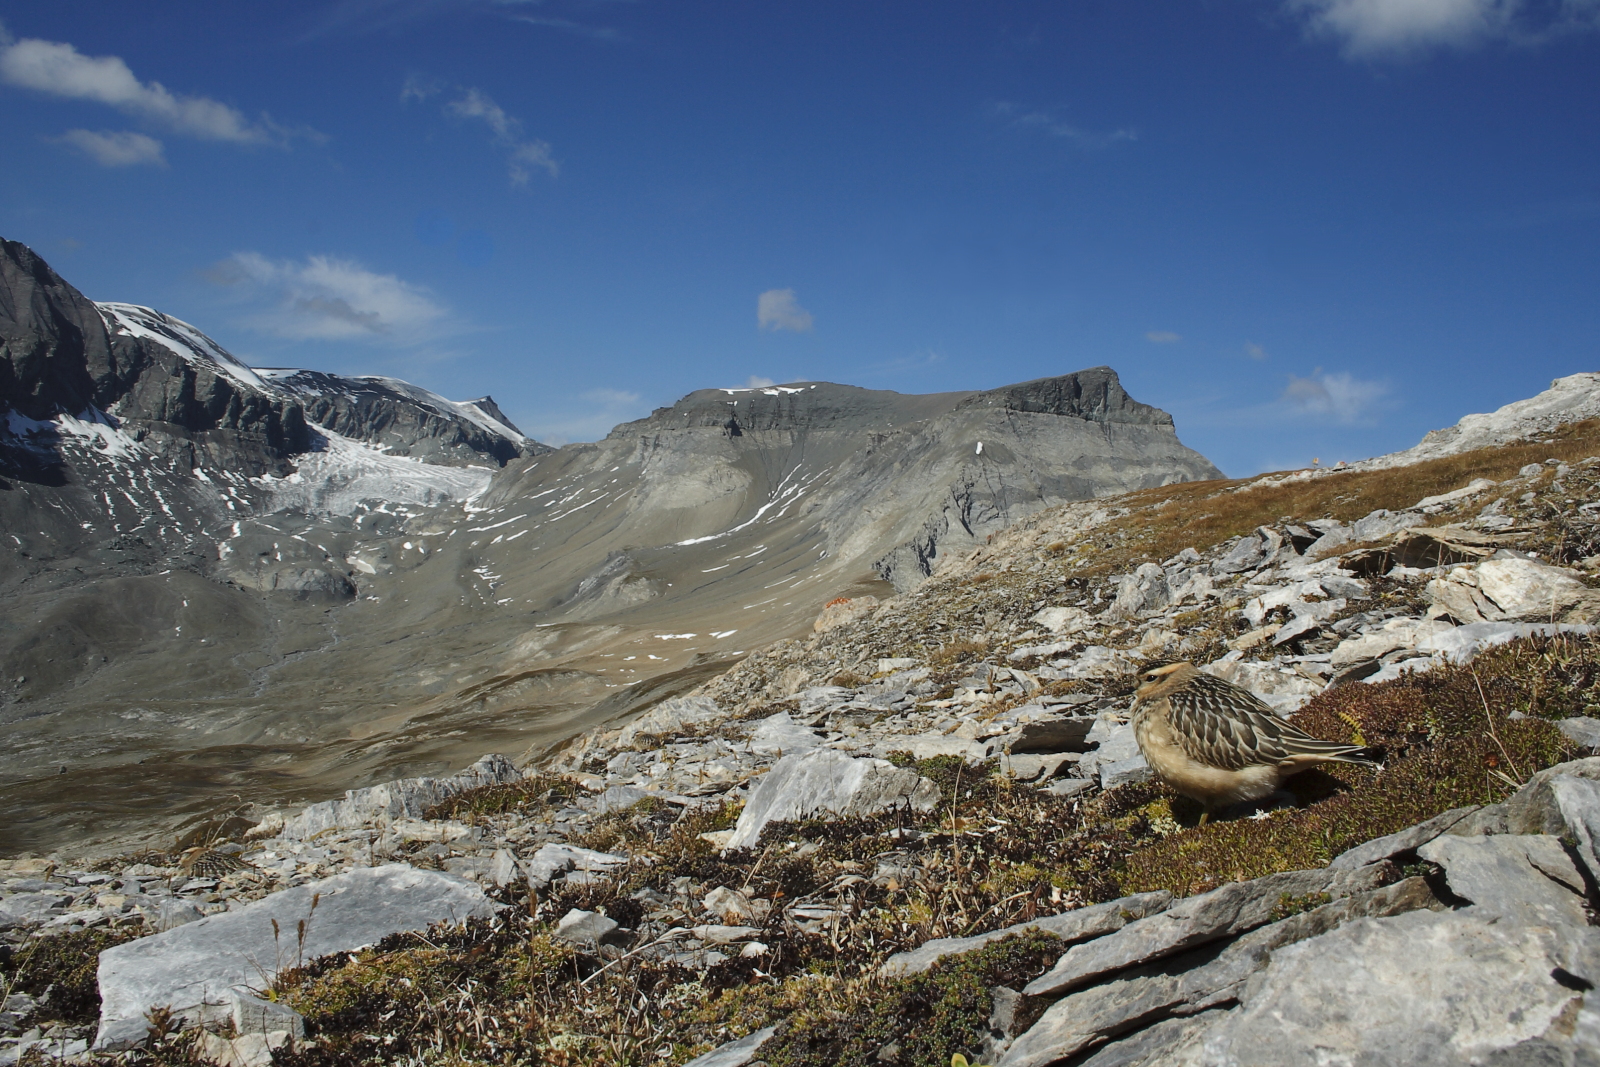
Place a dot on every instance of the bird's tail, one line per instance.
(1312, 750)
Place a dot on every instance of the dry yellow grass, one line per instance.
(1166, 520)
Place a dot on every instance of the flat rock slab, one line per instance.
(734, 1053)
(1407, 840)
(829, 782)
(1529, 876)
(1195, 981)
(1424, 989)
(198, 964)
(1223, 912)
(1081, 924)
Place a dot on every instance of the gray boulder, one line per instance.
(194, 968)
(406, 798)
(1142, 592)
(552, 861)
(669, 717)
(1195, 981)
(780, 735)
(588, 928)
(1421, 989)
(829, 782)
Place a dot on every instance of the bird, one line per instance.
(1218, 743)
(209, 863)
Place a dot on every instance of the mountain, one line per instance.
(225, 580)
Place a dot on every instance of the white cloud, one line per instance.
(1162, 337)
(61, 70)
(1051, 126)
(1341, 397)
(758, 381)
(115, 148)
(1254, 351)
(324, 298)
(777, 309)
(1370, 29)
(525, 154)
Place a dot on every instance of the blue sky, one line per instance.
(1307, 228)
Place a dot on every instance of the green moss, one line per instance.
(66, 965)
(931, 1016)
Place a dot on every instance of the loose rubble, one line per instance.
(825, 791)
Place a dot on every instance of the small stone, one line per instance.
(587, 928)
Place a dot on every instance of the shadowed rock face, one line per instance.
(278, 584)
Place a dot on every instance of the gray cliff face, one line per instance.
(53, 347)
(405, 420)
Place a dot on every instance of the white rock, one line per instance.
(730, 905)
(826, 781)
(200, 963)
(1528, 589)
(779, 735)
(586, 928)
(1284, 691)
(554, 859)
(1061, 620)
(669, 717)
(1422, 989)
(408, 797)
(1143, 591)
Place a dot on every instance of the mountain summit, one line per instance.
(219, 573)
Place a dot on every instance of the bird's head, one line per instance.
(1158, 681)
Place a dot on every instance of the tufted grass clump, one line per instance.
(1447, 739)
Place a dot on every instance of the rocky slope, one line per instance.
(924, 828)
(233, 580)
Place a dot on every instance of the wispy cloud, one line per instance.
(757, 381)
(325, 298)
(1162, 337)
(524, 154)
(1049, 124)
(588, 417)
(59, 69)
(1340, 397)
(1254, 351)
(115, 148)
(1390, 29)
(777, 309)
(598, 33)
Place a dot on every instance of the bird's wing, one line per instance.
(1225, 726)
(1221, 725)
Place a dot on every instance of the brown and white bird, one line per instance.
(209, 863)
(1213, 741)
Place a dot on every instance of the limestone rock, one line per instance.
(1533, 808)
(1421, 989)
(1578, 800)
(587, 928)
(1193, 981)
(1230, 909)
(827, 781)
(553, 860)
(201, 962)
(1080, 924)
(1527, 589)
(408, 797)
(734, 1053)
(669, 717)
(1061, 620)
(844, 610)
(1142, 592)
(1528, 877)
(779, 735)
(1407, 840)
